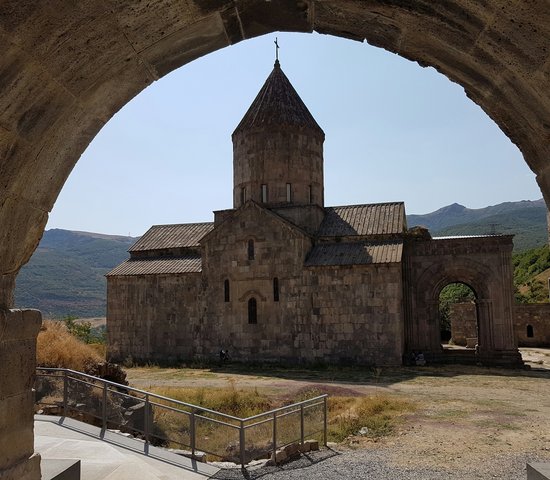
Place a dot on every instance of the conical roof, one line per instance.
(277, 104)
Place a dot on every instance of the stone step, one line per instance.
(538, 471)
(60, 469)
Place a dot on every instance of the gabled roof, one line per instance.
(355, 253)
(370, 219)
(251, 204)
(156, 266)
(277, 104)
(172, 236)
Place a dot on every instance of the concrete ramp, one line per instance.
(538, 471)
(110, 456)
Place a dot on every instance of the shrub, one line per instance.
(57, 348)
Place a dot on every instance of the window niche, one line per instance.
(250, 249)
(530, 331)
(275, 289)
(252, 311)
(226, 294)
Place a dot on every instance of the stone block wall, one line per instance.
(18, 332)
(352, 315)
(536, 316)
(463, 322)
(152, 317)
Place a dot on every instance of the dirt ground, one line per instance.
(464, 415)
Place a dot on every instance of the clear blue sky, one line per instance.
(394, 132)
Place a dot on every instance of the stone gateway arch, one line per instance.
(67, 67)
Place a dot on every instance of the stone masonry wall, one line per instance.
(463, 322)
(18, 332)
(352, 315)
(538, 317)
(152, 317)
(463, 318)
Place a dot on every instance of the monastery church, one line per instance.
(281, 277)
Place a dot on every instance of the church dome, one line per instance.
(278, 149)
(277, 105)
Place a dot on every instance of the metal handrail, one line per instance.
(195, 412)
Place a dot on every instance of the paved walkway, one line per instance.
(111, 456)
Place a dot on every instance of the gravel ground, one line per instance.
(373, 464)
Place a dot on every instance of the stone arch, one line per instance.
(482, 263)
(68, 67)
(65, 75)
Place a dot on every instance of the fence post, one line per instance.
(325, 421)
(146, 421)
(301, 424)
(192, 433)
(65, 393)
(104, 408)
(242, 443)
(274, 454)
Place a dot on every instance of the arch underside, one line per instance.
(67, 67)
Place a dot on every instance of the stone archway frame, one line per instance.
(68, 67)
(474, 274)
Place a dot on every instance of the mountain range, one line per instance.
(65, 275)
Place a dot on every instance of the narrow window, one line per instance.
(530, 331)
(226, 290)
(275, 289)
(252, 311)
(243, 195)
(264, 193)
(251, 249)
(289, 192)
(310, 195)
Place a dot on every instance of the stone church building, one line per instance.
(281, 277)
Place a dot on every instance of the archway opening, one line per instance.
(458, 319)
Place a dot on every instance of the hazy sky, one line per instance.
(394, 132)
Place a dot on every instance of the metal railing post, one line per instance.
(146, 421)
(274, 455)
(301, 424)
(325, 421)
(65, 393)
(104, 408)
(192, 433)
(241, 442)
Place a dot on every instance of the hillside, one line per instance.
(526, 220)
(65, 273)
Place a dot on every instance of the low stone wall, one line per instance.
(463, 322)
(18, 332)
(532, 324)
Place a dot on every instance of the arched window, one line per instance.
(252, 311)
(275, 289)
(251, 249)
(226, 290)
(530, 332)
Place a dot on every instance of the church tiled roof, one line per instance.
(158, 266)
(370, 219)
(355, 253)
(172, 236)
(277, 104)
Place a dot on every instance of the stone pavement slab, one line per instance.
(110, 456)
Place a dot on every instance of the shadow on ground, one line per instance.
(256, 472)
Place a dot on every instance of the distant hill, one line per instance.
(65, 273)
(525, 219)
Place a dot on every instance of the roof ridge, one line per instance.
(366, 204)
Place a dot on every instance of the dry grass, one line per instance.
(56, 347)
(230, 400)
(379, 413)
